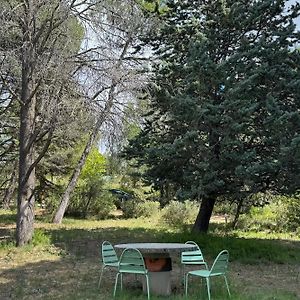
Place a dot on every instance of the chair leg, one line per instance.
(208, 287)
(148, 288)
(100, 278)
(186, 283)
(182, 275)
(116, 283)
(121, 281)
(227, 286)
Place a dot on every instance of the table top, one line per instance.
(159, 247)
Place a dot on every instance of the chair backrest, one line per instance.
(109, 254)
(132, 261)
(192, 257)
(220, 264)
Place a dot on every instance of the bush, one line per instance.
(259, 219)
(103, 206)
(290, 217)
(178, 214)
(129, 208)
(147, 209)
(100, 205)
(281, 215)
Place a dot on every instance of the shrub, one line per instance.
(104, 205)
(129, 208)
(281, 215)
(178, 214)
(147, 209)
(99, 205)
(259, 219)
(290, 217)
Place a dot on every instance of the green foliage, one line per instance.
(94, 167)
(103, 206)
(98, 203)
(89, 197)
(260, 219)
(224, 112)
(129, 208)
(40, 238)
(281, 215)
(136, 208)
(291, 215)
(178, 214)
(148, 209)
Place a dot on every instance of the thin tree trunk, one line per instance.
(237, 213)
(74, 178)
(87, 206)
(25, 203)
(204, 215)
(7, 199)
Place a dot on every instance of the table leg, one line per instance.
(159, 266)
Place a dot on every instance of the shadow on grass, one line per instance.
(72, 270)
(57, 275)
(66, 278)
(86, 243)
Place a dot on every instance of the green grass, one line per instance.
(63, 261)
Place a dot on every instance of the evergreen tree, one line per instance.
(224, 119)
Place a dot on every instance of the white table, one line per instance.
(158, 262)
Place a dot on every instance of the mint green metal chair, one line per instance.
(132, 261)
(194, 258)
(219, 268)
(109, 258)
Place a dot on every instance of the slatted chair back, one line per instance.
(109, 255)
(220, 264)
(194, 257)
(132, 261)
(219, 268)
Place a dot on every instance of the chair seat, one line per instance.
(219, 268)
(202, 273)
(133, 271)
(113, 264)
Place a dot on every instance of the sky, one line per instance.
(298, 19)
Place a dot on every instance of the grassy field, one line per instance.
(63, 262)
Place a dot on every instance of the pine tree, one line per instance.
(224, 119)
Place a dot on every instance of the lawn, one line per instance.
(64, 261)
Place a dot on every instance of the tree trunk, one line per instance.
(73, 180)
(204, 215)
(25, 215)
(7, 200)
(237, 213)
(25, 203)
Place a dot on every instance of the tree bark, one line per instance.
(25, 215)
(73, 180)
(7, 199)
(204, 215)
(25, 203)
(237, 213)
